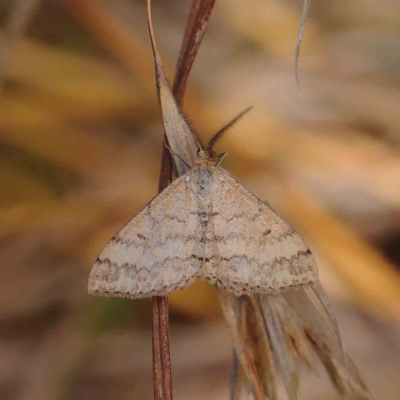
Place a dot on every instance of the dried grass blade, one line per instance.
(237, 378)
(313, 319)
(259, 342)
(180, 135)
(320, 293)
(229, 309)
(293, 328)
(347, 381)
(281, 347)
(327, 345)
(237, 373)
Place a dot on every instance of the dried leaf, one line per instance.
(283, 353)
(229, 305)
(260, 345)
(327, 344)
(320, 293)
(181, 137)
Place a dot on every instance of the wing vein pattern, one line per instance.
(257, 251)
(207, 225)
(153, 254)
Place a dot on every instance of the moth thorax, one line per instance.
(204, 180)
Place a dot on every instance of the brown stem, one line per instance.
(162, 376)
(164, 345)
(194, 32)
(157, 363)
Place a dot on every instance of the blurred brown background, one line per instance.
(80, 151)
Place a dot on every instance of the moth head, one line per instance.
(204, 157)
(210, 158)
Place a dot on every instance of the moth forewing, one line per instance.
(257, 251)
(155, 252)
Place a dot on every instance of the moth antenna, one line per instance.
(219, 134)
(221, 157)
(304, 14)
(177, 155)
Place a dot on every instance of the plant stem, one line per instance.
(195, 27)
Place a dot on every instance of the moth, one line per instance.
(205, 225)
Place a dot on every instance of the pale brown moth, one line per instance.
(205, 225)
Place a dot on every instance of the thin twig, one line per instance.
(158, 385)
(197, 21)
(164, 346)
(199, 15)
(162, 375)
